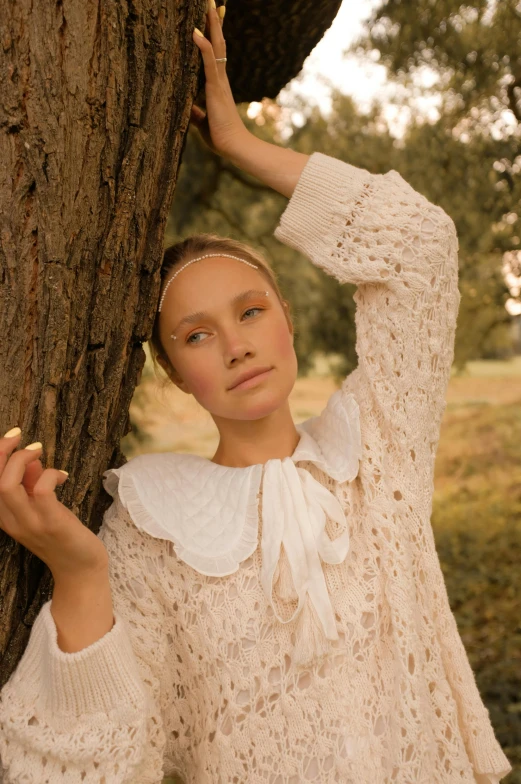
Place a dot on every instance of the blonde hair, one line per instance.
(190, 248)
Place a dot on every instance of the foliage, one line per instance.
(473, 54)
(473, 48)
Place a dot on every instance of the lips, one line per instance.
(249, 374)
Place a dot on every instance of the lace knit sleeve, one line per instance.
(401, 251)
(91, 717)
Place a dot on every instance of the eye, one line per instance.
(249, 309)
(194, 334)
(189, 338)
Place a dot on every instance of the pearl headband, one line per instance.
(206, 256)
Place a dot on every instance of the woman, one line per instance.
(279, 613)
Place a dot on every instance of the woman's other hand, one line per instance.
(221, 127)
(31, 514)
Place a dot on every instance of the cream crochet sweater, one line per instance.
(286, 623)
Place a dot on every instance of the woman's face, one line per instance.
(226, 338)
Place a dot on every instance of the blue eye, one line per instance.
(249, 309)
(195, 342)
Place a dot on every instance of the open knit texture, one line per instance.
(197, 677)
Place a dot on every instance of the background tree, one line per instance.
(473, 53)
(94, 109)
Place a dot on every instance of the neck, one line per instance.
(248, 442)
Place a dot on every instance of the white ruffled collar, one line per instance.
(210, 512)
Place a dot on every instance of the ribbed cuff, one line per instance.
(102, 677)
(324, 194)
(486, 753)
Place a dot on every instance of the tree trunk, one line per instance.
(94, 107)
(95, 104)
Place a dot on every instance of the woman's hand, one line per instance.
(221, 127)
(31, 514)
(225, 133)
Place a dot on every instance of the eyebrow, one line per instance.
(201, 314)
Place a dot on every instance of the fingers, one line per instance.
(8, 443)
(13, 497)
(216, 33)
(197, 115)
(213, 48)
(12, 467)
(39, 481)
(212, 14)
(206, 49)
(33, 472)
(43, 495)
(15, 489)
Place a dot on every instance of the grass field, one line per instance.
(477, 526)
(476, 511)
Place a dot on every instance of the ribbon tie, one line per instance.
(295, 509)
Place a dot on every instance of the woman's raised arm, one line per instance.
(223, 129)
(374, 231)
(278, 167)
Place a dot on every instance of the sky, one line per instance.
(364, 80)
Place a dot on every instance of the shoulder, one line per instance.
(147, 489)
(157, 479)
(333, 440)
(152, 466)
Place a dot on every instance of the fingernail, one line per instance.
(222, 10)
(35, 446)
(198, 32)
(213, 3)
(12, 433)
(63, 472)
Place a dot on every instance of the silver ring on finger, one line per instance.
(221, 59)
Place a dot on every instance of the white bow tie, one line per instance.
(295, 508)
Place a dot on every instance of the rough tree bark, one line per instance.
(94, 107)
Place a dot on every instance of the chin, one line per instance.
(260, 403)
(258, 410)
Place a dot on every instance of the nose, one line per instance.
(236, 348)
(236, 357)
